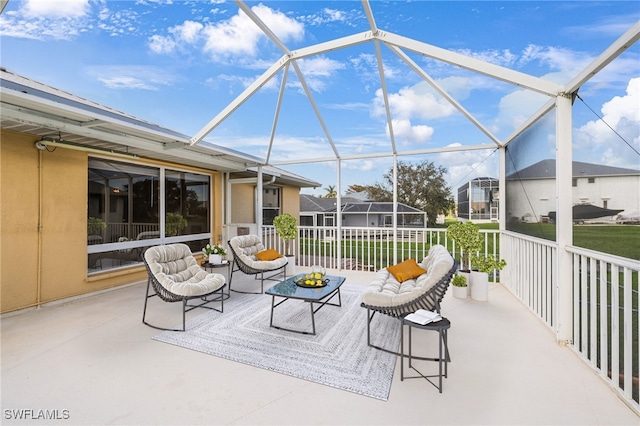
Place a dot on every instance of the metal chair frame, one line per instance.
(429, 300)
(239, 265)
(170, 297)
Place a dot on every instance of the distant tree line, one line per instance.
(421, 185)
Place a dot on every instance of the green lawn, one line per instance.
(619, 240)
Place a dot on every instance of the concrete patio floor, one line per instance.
(95, 362)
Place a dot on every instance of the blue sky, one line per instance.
(179, 63)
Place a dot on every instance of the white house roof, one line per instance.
(546, 169)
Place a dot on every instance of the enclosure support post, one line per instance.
(564, 218)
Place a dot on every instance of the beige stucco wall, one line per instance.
(291, 201)
(18, 221)
(243, 203)
(43, 225)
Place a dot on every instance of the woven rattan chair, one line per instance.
(387, 296)
(244, 249)
(175, 276)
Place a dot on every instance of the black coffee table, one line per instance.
(288, 289)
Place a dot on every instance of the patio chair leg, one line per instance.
(146, 298)
(184, 314)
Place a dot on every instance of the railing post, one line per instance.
(564, 218)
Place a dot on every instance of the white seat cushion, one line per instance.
(246, 247)
(176, 269)
(386, 291)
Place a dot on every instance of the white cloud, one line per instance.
(65, 20)
(515, 108)
(622, 113)
(561, 64)
(68, 9)
(161, 44)
(316, 72)
(417, 101)
(404, 131)
(239, 36)
(328, 16)
(131, 77)
(365, 66)
(189, 31)
(503, 57)
(235, 40)
(462, 166)
(234, 81)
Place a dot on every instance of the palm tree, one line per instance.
(331, 192)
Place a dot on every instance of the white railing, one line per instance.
(530, 273)
(606, 318)
(368, 249)
(604, 305)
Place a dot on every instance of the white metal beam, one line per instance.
(367, 10)
(612, 52)
(265, 29)
(276, 114)
(336, 44)
(385, 95)
(459, 148)
(242, 98)
(531, 120)
(442, 92)
(536, 84)
(315, 107)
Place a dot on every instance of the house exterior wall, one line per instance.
(291, 201)
(620, 192)
(43, 225)
(243, 203)
(530, 199)
(536, 197)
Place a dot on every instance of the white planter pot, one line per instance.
(215, 259)
(480, 286)
(467, 275)
(290, 269)
(460, 292)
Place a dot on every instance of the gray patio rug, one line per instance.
(336, 356)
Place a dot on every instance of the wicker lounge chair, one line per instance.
(389, 297)
(175, 276)
(244, 249)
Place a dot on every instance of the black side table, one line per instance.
(442, 328)
(211, 266)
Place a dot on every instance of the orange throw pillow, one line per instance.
(268, 254)
(406, 270)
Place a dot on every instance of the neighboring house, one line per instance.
(357, 211)
(85, 188)
(478, 200)
(531, 192)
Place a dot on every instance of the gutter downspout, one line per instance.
(40, 208)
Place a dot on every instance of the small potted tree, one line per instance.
(459, 286)
(287, 229)
(466, 236)
(482, 266)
